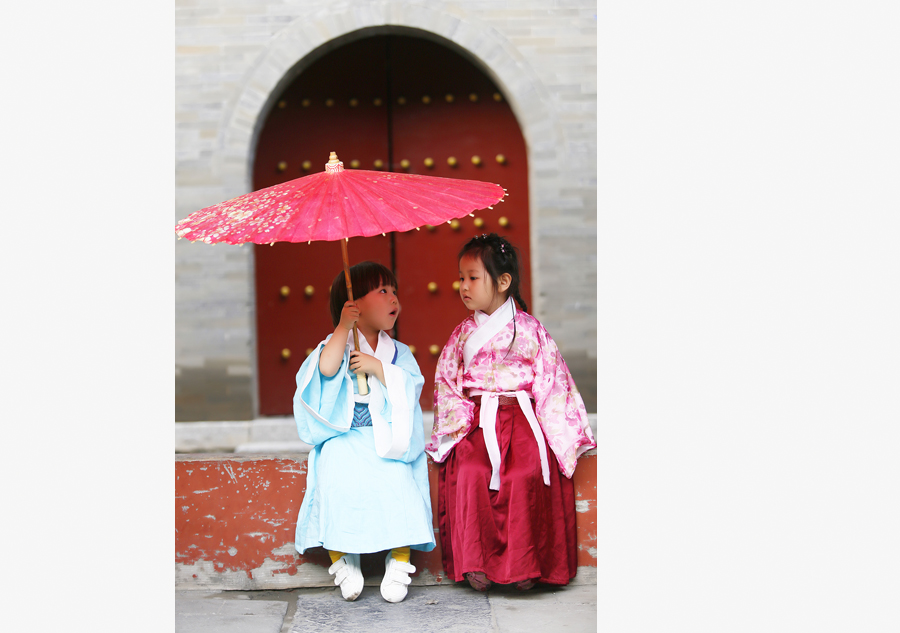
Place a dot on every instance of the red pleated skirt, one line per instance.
(525, 530)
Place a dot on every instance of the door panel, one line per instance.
(440, 129)
(305, 126)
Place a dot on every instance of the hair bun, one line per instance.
(499, 256)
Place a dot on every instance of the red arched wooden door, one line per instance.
(397, 103)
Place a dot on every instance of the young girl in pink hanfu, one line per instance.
(367, 483)
(509, 425)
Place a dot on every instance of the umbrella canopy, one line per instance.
(337, 204)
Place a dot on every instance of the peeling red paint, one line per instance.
(585, 479)
(219, 488)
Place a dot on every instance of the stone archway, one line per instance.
(378, 101)
(338, 23)
(304, 39)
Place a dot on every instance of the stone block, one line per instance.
(199, 614)
(210, 437)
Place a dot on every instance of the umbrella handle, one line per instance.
(360, 378)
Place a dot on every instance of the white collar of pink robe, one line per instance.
(489, 326)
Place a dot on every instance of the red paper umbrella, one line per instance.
(337, 205)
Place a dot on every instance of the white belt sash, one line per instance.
(487, 420)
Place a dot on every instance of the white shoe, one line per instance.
(396, 579)
(348, 575)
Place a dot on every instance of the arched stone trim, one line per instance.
(337, 23)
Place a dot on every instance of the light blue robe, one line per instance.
(357, 501)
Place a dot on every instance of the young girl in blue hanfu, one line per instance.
(367, 478)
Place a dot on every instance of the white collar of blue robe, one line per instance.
(385, 351)
(388, 407)
(488, 325)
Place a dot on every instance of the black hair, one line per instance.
(365, 277)
(498, 257)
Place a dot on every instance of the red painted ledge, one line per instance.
(235, 519)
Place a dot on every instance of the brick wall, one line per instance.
(230, 57)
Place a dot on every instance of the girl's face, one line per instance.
(378, 309)
(476, 289)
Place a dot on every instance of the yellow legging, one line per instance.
(399, 553)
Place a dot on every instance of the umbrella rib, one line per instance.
(436, 194)
(304, 216)
(383, 194)
(364, 208)
(424, 200)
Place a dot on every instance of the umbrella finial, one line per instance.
(333, 164)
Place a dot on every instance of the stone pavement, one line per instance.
(431, 609)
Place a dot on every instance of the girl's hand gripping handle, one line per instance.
(349, 317)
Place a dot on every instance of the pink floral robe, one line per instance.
(534, 364)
